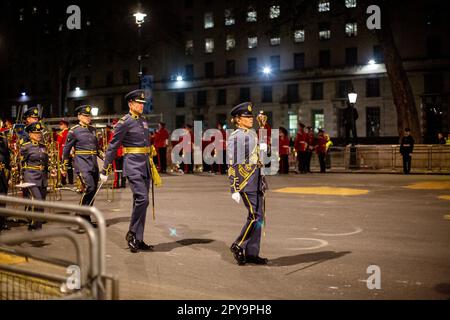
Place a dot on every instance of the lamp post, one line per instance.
(352, 96)
(140, 18)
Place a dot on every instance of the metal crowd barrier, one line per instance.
(387, 158)
(17, 283)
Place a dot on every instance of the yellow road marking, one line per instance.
(327, 191)
(430, 185)
(10, 259)
(447, 217)
(444, 197)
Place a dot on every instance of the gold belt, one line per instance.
(136, 150)
(85, 152)
(39, 168)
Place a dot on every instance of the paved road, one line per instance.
(322, 233)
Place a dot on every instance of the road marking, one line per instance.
(358, 230)
(322, 244)
(447, 217)
(444, 197)
(429, 185)
(327, 191)
(10, 259)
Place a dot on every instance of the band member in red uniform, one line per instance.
(161, 143)
(61, 139)
(321, 150)
(284, 150)
(301, 147)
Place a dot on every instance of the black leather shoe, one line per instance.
(133, 244)
(238, 254)
(145, 247)
(256, 260)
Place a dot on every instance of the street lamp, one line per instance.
(94, 111)
(140, 18)
(352, 96)
(267, 70)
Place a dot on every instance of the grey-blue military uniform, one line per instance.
(245, 176)
(132, 133)
(83, 138)
(34, 162)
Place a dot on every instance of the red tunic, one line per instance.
(300, 143)
(61, 141)
(160, 138)
(284, 145)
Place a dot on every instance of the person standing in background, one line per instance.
(284, 150)
(406, 148)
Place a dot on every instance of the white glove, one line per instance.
(103, 178)
(263, 147)
(236, 197)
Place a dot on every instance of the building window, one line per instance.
(252, 42)
(244, 94)
(292, 93)
(317, 91)
(378, 54)
(209, 20)
(274, 12)
(230, 67)
(109, 105)
(231, 43)
(324, 5)
(209, 45)
(433, 83)
(180, 121)
(324, 58)
(344, 87)
(275, 63)
(252, 15)
(189, 23)
(318, 120)
(201, 98)
(221, 97)
(351, 29)
(87, 82)
(126, 76)
(72, 83)
(110, 78)
(252, 65)
(209, 70)
(299, 36)
(299, 61)
(373, 87)
(372, 121)
(293, 124)
(324, 31)
(351, 56)
(189, 71)
(267, 94)
(229, 17)
(350, 3)
(189, 50)
(180, 100)
(275, 40)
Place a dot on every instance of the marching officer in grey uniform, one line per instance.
(83, 138)
(132, 132)
(34, 162)
(247, 183)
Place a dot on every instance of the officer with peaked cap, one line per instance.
(83, 138)
(132, 132)
(247, 183)
(34, 162)
(31, 115)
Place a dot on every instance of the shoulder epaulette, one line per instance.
(74, 127)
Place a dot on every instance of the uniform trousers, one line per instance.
(140, 187)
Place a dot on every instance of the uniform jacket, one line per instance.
(321, 145)
(161, 137)
(300, 143)
(4, 152)
(83, 138)
(409, 140)
(130, 131)
(34, 155)
(244, 170)
(61, 139)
